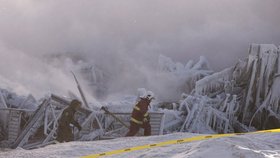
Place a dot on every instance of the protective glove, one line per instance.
(146, 119)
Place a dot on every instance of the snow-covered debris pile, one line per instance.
(12, 100)
(241, 98)
(14, 113)
(238, 99)
(34, 128)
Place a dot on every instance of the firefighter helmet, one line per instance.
(150, 95)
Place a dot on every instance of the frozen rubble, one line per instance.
(241, 98)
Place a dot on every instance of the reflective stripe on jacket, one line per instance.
(140, 113)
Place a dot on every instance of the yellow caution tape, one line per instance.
(170, 142)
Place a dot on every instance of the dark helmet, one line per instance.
(75, 104)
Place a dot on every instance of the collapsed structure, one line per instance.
(33, 128)
(241, 98)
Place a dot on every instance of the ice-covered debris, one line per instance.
(275, 93)
(12, 100)
(239, 71)
(207, 115)
(172, 120)
(240, 98)
(262, 66)
(270, 104)
(231, 100)
(202, 64)
(214, 82)
(167, 65)
(266, 47)
(95, 104)
(91, 136)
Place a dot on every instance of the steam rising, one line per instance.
(41, 41)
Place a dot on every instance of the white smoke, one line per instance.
(25, 74)
(42, 40)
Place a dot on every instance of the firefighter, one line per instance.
(140, 117)
(64, 132)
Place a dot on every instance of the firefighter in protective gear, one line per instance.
(64, 132)
(140, 117)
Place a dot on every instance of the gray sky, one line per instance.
(128, 33)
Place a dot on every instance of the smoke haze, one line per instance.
(124, 38)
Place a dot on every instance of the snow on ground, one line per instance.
(265, 145)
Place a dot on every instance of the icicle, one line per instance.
(248, 98)
(254, 52)
(270, 69)
(232, 108)
(263, 61)
(202, 64)
(225, 103)
(209, 117)
(275, 93)
(214, 81)
(263, 105)
(226, 126)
